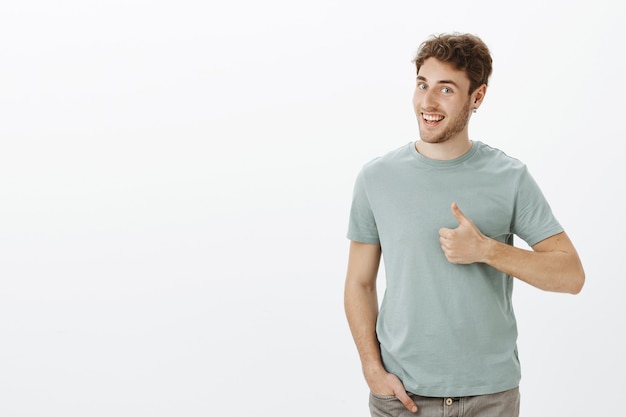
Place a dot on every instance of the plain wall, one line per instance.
(175, 180)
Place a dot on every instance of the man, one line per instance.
(442, 212)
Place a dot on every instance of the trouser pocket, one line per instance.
(385, 406)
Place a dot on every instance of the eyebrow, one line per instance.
(421, 78)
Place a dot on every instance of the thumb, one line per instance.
(457, 213)
(408, 403)
(401, 394)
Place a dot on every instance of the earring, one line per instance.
(474, 111)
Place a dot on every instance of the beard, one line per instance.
(455, 127)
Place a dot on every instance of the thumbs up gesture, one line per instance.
(465, 244)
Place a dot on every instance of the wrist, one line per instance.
(373, 371)
(489, 248)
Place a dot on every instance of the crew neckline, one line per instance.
(444, 163)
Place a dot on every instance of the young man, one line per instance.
(442, 211)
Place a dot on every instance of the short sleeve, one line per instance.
(362, 225)
(533, 220)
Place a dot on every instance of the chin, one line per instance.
(433, 139)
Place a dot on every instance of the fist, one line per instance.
(465, 244)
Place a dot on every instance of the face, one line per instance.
(441, 102)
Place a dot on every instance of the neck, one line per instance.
(444, 151)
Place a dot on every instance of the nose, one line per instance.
(428, 99)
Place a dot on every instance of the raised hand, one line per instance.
(465, 244)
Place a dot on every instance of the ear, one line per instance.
(478, 95)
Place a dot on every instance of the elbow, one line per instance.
(575, 276)
(579, 286)
(577, 282)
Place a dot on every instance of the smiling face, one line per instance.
(442, 103)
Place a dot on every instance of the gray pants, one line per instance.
(502, 404)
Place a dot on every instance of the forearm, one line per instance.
(361, 306)
(547, 269)
(552, 265)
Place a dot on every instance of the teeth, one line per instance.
(432, 117)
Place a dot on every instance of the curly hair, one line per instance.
(465, 51)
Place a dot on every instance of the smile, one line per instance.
(432, 117)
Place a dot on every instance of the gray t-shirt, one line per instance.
(446, 329)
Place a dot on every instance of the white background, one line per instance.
(175, 179)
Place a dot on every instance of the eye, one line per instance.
(422, 86)
(446, 90)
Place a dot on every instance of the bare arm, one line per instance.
(361, 305)
(552, 265)
(361, 302)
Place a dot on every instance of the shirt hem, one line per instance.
(440, 392)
